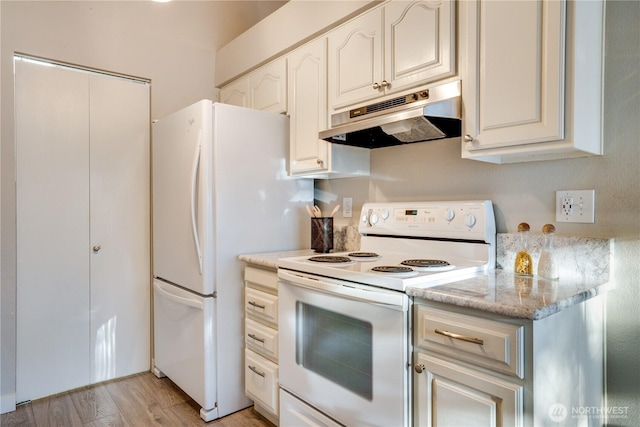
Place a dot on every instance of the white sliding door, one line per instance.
(82, 148)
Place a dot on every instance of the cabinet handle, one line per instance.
(96, 248)
(256, 305)
(459, 337)
(381, 85)
(468, 138)
(319, 161)
(253, 368)
(419, 368)
(252, 336)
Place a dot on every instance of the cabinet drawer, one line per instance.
(492, 344)
(261, 339)
(261, 305)
(261, 278)
(261, 381)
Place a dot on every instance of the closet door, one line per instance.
(120, 228)
(83, 232)
(53, 269)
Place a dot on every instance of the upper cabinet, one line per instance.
(263, 89)
(531, 79)
(389, 49)
(307, 101)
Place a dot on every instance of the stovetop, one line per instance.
(459, 237)
(363, 271)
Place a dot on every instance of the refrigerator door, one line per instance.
(182, 249)
(184, 342)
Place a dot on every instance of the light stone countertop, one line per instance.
(269, 260)
(503, 292)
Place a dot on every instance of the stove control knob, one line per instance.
(373, 219)
(471, 221)
(450, 214)
(385, 214)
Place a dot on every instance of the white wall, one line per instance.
(172, 44)
(525, 192)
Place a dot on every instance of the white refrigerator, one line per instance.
(220, 189)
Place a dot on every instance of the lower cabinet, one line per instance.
(261, 341)
(452, 395)
(261, 382)
(473, 368)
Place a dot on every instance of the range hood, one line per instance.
(427, 114)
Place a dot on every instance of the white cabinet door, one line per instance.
(420, 40)
(307, 108)
(268, 87)
(307, 101)
(447, 394)
(82, 183)
(356, 70)
(513, 72)
(532, 79)
(236, 93)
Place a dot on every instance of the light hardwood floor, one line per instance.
(138, 400)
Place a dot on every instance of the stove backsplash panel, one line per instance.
(578, 257)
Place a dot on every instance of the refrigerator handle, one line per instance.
(179, 300)
(194, 187)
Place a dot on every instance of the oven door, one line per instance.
(344, 348)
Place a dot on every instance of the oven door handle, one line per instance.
(393, 300)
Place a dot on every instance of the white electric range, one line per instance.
(344, 318)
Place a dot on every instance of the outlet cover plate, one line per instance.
(575, 206)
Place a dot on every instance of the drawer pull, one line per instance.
(252, 336)
(459, 337)
(253, 368)
(256, 305)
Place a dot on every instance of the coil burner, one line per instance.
(364, 256)
(428, 264)
(338, 261)
(395, 270)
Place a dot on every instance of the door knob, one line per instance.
(96, 248)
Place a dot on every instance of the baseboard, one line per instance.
(7, 403)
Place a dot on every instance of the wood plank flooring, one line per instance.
(138, 400)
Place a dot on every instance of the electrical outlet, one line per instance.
(575, 206)
(347, 206)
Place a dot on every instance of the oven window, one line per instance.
(337, 347)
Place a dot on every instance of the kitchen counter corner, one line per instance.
(269, 260)
(503, 292)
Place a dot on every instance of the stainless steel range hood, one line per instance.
(432, 113)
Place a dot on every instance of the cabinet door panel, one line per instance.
(419, 42)
(268, 87)
(236, 93)
(355, 59)
(514, 75)
(447, 394)
(307, 107)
